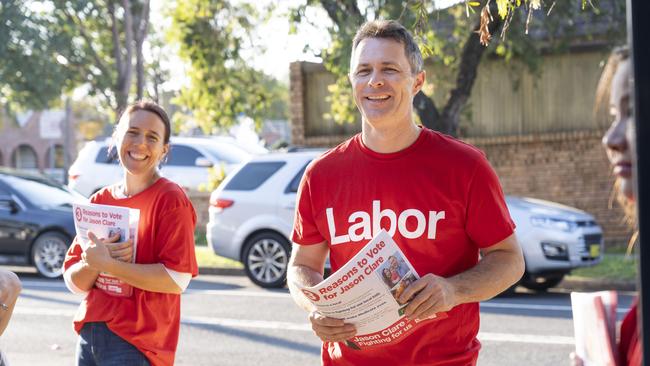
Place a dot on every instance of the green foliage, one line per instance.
(211, 35)
(51, 47)
(216, 175)
(33, 71)
(442, 33)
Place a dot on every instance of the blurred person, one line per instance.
(448, 200)
(615, 88)
(10, 288)
(141, 329)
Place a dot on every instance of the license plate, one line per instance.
(594, 250)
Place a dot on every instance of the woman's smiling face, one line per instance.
(140, 142)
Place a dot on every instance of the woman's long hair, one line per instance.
(603, 93)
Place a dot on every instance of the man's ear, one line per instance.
(419, 81)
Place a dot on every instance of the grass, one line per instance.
(613, 267)
(206, 258)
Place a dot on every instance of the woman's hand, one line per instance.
(575, 359)
(98, 256)
(121, 251)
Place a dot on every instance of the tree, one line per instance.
(33, 71)
(211, 35)
(470, 24)
(73, 42)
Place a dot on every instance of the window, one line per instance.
(24, 157)
(40, 192)
(252, 175)
(103, 157)
(181, 155)
(295, 182)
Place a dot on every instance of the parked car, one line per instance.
(251, 218)
(187, 165)
(36, 223)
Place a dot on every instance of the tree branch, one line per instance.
(84, 34)
(467, 71)
(427, 111)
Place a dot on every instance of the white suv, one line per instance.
(251, 218)
(189, 158)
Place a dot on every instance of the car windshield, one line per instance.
(228, 153)
(40, 192)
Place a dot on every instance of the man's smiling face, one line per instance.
(382, 81)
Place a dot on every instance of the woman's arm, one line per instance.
(150, 277)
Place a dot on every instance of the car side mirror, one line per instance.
(7, 203)
(203, 162)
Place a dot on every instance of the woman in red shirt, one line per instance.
(143, 328)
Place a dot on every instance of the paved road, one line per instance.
(229, 321)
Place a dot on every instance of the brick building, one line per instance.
(22, 145)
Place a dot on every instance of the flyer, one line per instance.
(106, 221)
(594, 322)
(364, 292)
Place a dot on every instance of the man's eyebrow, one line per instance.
(385, 63)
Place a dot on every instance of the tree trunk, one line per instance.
(142, 27)
(470, 59)
(123, 59)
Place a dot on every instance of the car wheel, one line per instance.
(541, 283)
(48, 253)
(266, 257)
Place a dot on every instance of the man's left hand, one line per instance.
(429, 295)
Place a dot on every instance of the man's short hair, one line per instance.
(392, 30)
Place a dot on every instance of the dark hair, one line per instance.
(392, 30)
(153, 107)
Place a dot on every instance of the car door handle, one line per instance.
(290, 206)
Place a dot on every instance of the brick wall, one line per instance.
(201, 202)
(569, 168)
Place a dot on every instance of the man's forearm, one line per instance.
(303, 276)
(494, 273)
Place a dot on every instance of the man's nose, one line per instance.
(376, 80)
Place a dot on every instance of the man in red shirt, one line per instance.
(437, 197)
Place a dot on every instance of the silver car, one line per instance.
(251, 218)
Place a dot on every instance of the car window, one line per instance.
(181, 155)
(40, 193)
(295, 182)
(104, 158)
(252, 175)
(228, 153)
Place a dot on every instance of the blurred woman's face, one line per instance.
(618, 137)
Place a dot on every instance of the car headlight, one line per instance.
(553, 223)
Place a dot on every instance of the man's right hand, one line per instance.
(331, 329)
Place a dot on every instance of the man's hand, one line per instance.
(330, 329)
(98, 256)
(429, 295)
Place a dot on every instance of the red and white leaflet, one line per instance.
(105, 221)
(594, 322)
(364, 291)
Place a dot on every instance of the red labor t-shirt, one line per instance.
(440, 201)
(148, 320)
